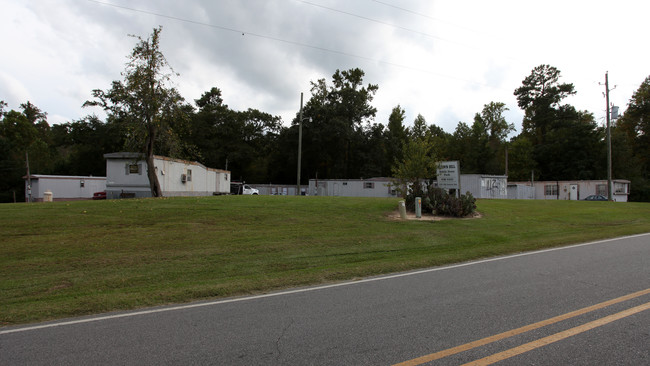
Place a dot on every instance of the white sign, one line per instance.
(449, 175)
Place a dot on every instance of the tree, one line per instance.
(340, 122)
(632, 156)
(242, 140)
(81, 145)
(489, 133)
(567, 143)
(636, 123)
(539, 96)
(395, 135)
(373, 152)
(21, 133)
(420, 128)
(144, 103)
(495, 123)
(521, 163)
(417, 165)
(460, 147)
(210, 130)
(440, 141)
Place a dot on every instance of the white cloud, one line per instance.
(12, 91)
(453, 58)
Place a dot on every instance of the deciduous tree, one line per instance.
(144, 103)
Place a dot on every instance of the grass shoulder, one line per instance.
(66, 259)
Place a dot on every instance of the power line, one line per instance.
(277, 39)
(428, 16)
(482, 32)
(375, 20)
(401, 27)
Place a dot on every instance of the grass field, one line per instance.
(65, 259)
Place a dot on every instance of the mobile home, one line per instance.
(62, 187)
(578, 189)
(126, 176)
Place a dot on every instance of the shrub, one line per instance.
(439, 202)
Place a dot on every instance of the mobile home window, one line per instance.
(620, 187)
(368, 185)
(550, 190)
(134, 168)
(189, 175)
(601, 189)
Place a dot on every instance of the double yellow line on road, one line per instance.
(540, 342)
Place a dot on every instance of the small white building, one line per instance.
(63, 187)
(577, 189)
(373, 187)
(484, 186)
(126, 177)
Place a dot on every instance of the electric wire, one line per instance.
(481, 32)
(375, 21)
(296, 43)
(401, 27)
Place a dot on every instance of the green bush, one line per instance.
(438, 201)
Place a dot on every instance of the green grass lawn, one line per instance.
(72, 258)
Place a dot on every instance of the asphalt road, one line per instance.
(580, 305)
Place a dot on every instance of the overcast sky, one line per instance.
(441, 59)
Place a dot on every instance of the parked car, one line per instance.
(242, 188)
(99, 195)
(596, 197)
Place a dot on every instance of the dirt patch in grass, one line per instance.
(410, 216)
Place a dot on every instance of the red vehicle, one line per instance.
(99, 195)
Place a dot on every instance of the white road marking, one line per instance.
(303, 290)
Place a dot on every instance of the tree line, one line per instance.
(341, 138)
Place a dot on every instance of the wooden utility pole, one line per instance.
(506, 159)
(29, 179)
(609, 142)
(299, 144)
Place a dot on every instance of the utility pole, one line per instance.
(29, 179)
(609, 139)
(506, 159)
(299, 143)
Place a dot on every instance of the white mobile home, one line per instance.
(374, 187)
(479, 185)
(578, 189)
(126, 176)
(279, 189)
(63, 187)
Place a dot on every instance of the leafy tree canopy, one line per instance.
(145, 104)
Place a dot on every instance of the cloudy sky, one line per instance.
(441, 59)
